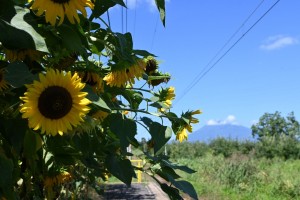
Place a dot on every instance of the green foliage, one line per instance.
(18, 74)
(121, 168)
(187, 150)
(224, 146)
(160, 134)
(243, 177)
(278, 136)
(285, 147)
(237, 172)
(276, 125)
(92, 144)
(161, 7)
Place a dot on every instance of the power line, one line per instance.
(126, 17)
(134, 21)
(155, 28)
(201, 75)
(226, 43)
(108, 19)
(122, 20)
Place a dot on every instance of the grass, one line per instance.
(243, 177)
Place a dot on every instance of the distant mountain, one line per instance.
(234, 132)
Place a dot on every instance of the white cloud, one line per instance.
(278, 42)
(212, 122)
(132, 4)
(151, 3)
(230, 119)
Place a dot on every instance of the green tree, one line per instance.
(275, 125)
(277, 135)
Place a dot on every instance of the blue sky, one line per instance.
(260, 74)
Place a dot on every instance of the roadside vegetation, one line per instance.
(228, 169)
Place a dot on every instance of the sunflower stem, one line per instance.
(142, 111)
(140, 89)
(104, 22)
(145, 127)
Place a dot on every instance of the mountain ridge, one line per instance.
(227, 131)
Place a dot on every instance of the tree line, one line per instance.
(277, 136)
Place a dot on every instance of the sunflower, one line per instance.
(60, 8)
(126, 75)
(157, 78)
(151, 65)
(55, 103)
(166, 96)
(22, 54)
(100, 115)
(94, 80)
(182, 135)
(192, 119)
(61, 178)
(3, 83)
(65, 62)
(170, 93)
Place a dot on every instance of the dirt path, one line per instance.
(142, 191)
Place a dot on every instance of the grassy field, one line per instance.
(244, 177)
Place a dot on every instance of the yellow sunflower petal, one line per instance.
(49, 104)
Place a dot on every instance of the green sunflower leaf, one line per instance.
(97, 39)
(125, 45)
(101, 103)
(120, 2)
(6, 169)
(166, 171)
(143, 53)
(159, 105)
(171, 191)
(32, 143)
(134, 98)
(18, 74)
(13, 131)
(178, 167)
(185, 187)
(160, 134)
(162, 11)
(147, 121)
(7, 10)
(120, 168)
(102, 6)
(124, 128)
(20, 32)
(71, 39)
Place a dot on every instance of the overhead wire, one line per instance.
(204, 73)
(108, 19)
(134, 19)
(154, 33)
(227, 42)
(126, 20)
(122, 19)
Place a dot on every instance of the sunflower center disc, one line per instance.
(55, 102)
(60, 1)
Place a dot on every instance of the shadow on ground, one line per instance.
(122, 192)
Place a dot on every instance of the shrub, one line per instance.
(285, 147)
(224, 146)
(238, 171)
